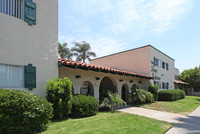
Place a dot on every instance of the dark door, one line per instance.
(123, 93)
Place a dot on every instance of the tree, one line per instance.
(112, 101)
(192, 76)
(82, 51)
(64, 52)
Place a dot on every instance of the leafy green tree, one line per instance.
(64, 51)
(112, 101)
(82, 51)
(192, 76)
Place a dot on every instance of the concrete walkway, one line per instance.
(190, 125)
(158, 115)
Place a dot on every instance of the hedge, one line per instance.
(171, 95)
(154, 90)
(22, 112)
(84, 106)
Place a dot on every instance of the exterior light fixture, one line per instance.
(120, 80)
(78, 76)
(97, 78)
(139, 81)
(131, 81)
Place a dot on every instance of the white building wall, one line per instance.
(163, 74)
(21, 43)
(91, 76)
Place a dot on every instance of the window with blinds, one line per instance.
(12, 7)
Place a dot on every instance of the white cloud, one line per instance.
(155, 16)
(110, 25)
(100, 45)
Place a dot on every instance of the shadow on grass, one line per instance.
(198, 99)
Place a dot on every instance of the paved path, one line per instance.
(163, 116)
(190, 125)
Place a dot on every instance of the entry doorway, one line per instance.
(107, 84)
(124, 92)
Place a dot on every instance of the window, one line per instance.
(167, 66)
(87, 88)
(11, 76)
(163, 85)
(156, 61)
(12, 7)
(163, 65)
(167, 85)
(22, 9)
(158, 83)
(159, 63)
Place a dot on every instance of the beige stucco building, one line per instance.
(28, 35)
(95, 80)
(146, 60)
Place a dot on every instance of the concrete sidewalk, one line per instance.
(158, 115)
(190, 125)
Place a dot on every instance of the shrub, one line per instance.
(84, 106)
(148, 97)
(112, 101)
(154, 90)
(171, 95)
(59, 92)
(141, 96)
(22, 112)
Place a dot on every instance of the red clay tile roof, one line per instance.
(87, 66)
(180, 82)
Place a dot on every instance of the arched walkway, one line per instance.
(87, 88)
(124, 92)
(107, 83)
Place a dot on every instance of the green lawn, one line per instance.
(183, 106)
(109, 123)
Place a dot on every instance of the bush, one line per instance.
(171, 95)
(59, 92)
(22, 112)
(154, 90)
(148, 97)
(84, 106)
(141, 95)
(112, 101)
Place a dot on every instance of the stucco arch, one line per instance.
(124, 91)
(87, 88)
(107, 83)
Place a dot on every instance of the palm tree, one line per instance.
(112, 101)
(64, 52)
(82, 51)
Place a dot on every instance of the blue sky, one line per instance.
(110, 26)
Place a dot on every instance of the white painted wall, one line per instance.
(165, 75)
(21, 44)
(91, 76)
